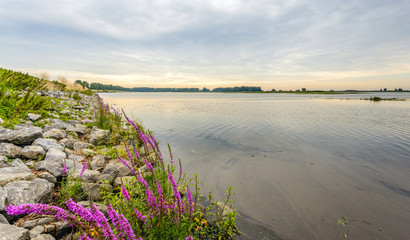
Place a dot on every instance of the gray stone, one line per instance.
(89, 176)
(55, 155)
(24, 136)
(30, 224)
(47, 143)
(59, 227)
(43, 237)
(86, 121)
(4, 162)
(11, 232)
(65, 112)
(99, 137)
(17, 163)
(109, 178)
(13, 173)
(94, 190)
(1, 121)
(10, 150)
(47, 176)
(98, 162)
(55, 133)
(52, 167)
(123, 181)
(78, 128)
(109, 168)
(33, 117)
(36, 231)
(81, 145)
(69, 142)
(33, 152)
(123, 171)
(3, 219)
(29, 164)
(86, 152)
(26, 192)
(79, 107)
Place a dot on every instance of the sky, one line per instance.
(289, 44)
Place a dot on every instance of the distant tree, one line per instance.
(385, 90)
(205, 89)
(303, 89)
(381, 90)
(273, 90)
(400, 89)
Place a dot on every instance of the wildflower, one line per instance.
(83, 169)
(176, 192)
(189, 238)
(125, 193)
(64, 171)
(190, 202)
(120, 223)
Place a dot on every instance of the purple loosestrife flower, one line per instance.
(102, 222)
(159, 191)
(120, 223)
(64, 171)
(190, 202)
(176, 192)
(189, 238)
(137, 155)
(83, 169)
(125, 193)
(149, 166)
(41, 209)
(80, 210)
(142, 180)
(124, 162)
(85, 237)
(140, 216)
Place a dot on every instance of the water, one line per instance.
(298, 163)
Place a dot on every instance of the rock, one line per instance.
(25, 192)
(1, 121)
(47, 143)
(98, 162)
(55, 155)
(16, 171)
(65, 112)
(30, 224)
(43, 237)
(86, 121)
(87, 152)
(81, 145)
(10, 150)
(11, 232)
(69, 142)
(24, 136)
(100, 206)
(52, 167)
(33, 152)
(33, 117)
(36, 231)
(109, 168)
(89, 176)
(57, 228)
(99, 137)
(4, 162)
(109, 178)
(78, 128)
(94, 190)
(123, 180)
(55, 133)
(3, 219)
(223, 208)
(47, 176)
(123, 171)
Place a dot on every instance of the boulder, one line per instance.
(33, 117)
(109, 178)
(89, 176)
(55, 155)
(54, 168)
(10, 150)
(4, 162)
(99, 137)
(11, 232)
(47, 176)
(30, 224)
(43, 237)
(55, 133)
(69, 142)
(16, 171)
(78, 128)
(98, 162)
(94, 190)
(24, 136)
(123, 181)
(33, 152)
(65, 112)
(3, 219)
(47, 143)
(26, 192)
(81, 145)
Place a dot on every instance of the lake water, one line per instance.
(298, 162)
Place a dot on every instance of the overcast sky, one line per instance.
(289, 44)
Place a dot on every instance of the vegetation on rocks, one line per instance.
(96, 173)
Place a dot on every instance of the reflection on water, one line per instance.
(297, 162)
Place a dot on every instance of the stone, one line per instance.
(57, 228)
(98, 162)
(1, 121)
(81, 145)
(109, 178)
(43, 237)
(86, 121)
(123, 180)
(3, 219)
(47, 176)
(47, 143)
(99, 137)
(78, 128)
(69, 142)
(94, 190)
(33, 117)
(55, 133)
(109, 168)
(33, 152)
(11, 232)
(79, 107)
(100, 206)
(16, 171)
(55, 155)
(123, 171)
(30, 224)
(4, 162)
(89, 176)
(52, 167)
(36, 231)
(24, 136)
(26, 192)
(10, 150)
(65, 112)
(87, 152)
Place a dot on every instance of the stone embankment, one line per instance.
(32, 157)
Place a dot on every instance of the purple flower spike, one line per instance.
(125, 193)
(64, 171)
(83, 169)
(190, 202)
(189, 238)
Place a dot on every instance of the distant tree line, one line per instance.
(238, 89)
